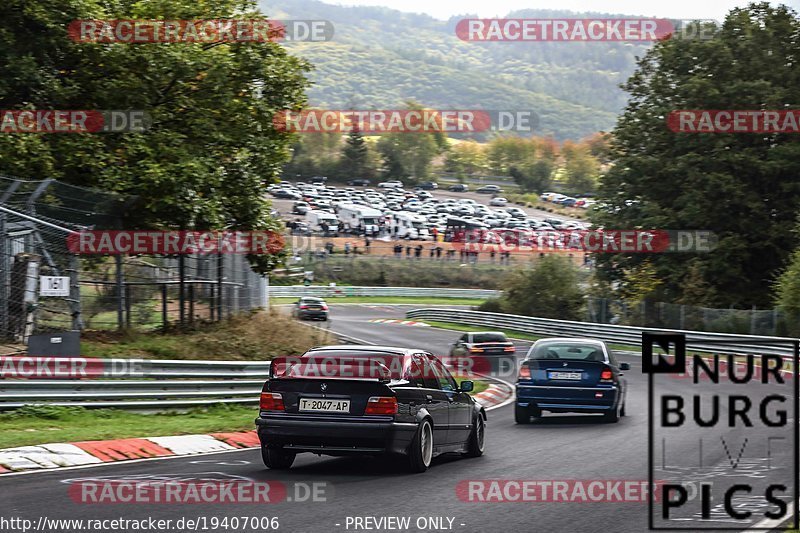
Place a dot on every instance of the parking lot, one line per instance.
(402, 213)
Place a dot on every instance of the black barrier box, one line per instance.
(64, 344)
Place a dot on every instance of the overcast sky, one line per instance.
(679, 9)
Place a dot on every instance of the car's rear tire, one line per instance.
(522, 415)
(613, 416)
(421, 452)
(477, 438)
(277, 458)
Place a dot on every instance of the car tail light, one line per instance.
(509, 349)
(476, 350)
(271, 401)
(324, 307)
(606, 375)
(381, 405)
(303, 307)
(524, 372)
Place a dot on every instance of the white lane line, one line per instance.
(773, 523)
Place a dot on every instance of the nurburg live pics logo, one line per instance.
(740, 407)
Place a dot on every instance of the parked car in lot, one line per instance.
(359, 182)
(489, 189)
(367, 400)
(568, 202)
(458, 187)
(498, 201)
(287, 194)
(307, 308)
(301, 228)
(428, 185)
(565, 375)
(554, 222)
(392, 184)
(300, 208)
(548, 196)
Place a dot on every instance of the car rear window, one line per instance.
(489, 337)
(394, 362)
(572, 352)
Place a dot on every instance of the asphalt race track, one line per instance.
(557, 447)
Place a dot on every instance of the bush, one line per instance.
(492, 305)
(550, 290)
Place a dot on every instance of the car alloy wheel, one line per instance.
(426, 443)
(421, 450)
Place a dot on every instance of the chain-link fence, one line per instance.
(687, 317)
(102, 291)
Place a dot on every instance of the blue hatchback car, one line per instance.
(564, 375)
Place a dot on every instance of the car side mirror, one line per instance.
(624, 366)
(466, 386)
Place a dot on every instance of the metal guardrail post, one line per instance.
(5, 274)
(164, 317)
(181, 289)
(127, 306)
(191, 304)
(120, 292)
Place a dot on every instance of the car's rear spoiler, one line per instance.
(329, 368)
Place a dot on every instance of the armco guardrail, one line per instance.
(323, 291)
(143, 384)
(146, 384)
(705, 342)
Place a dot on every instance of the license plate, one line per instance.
(315, 308)
(564, 375)
(325, 406)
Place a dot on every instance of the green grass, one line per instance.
(135, 345)
(388, 300)
(252, 336)
(45, 424)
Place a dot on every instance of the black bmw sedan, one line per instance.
(369, 400)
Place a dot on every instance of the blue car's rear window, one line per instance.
(572, 352)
